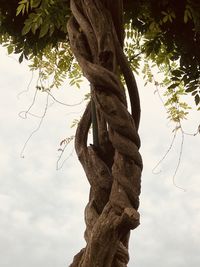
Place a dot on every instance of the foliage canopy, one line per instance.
(165, 33)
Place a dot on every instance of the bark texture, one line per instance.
(114, 166)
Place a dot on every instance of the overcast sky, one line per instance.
(41, 208)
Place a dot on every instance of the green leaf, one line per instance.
(190, 89)
(10, 49)
(35, 3)
(172, 86)
(44, 29)
(174, 78)
(194, 93)
(20, 9)
(21, 58)
(177, 73)
(165, 19)
(35, 26)
(197, 99)
(26, 28)
(27, 6)
(185, 17)
(23, 2)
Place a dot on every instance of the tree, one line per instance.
(95, 32)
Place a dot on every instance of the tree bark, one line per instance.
(114, 167)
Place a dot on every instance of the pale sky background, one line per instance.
(41, 208)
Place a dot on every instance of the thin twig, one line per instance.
(28, 113)
(62, 103)
(165, 155)
(60, 156)
(27, 89)
(66, 142)
(31, 105)
(37, 128)
(179, 162)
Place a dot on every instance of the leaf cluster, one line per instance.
(171, 33)
(28, 26)
(161, 32)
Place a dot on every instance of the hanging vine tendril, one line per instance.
(113, 169)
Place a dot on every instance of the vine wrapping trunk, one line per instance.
(114, 167)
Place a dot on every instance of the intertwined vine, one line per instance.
(113, 167)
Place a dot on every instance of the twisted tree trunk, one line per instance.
(113, 167)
